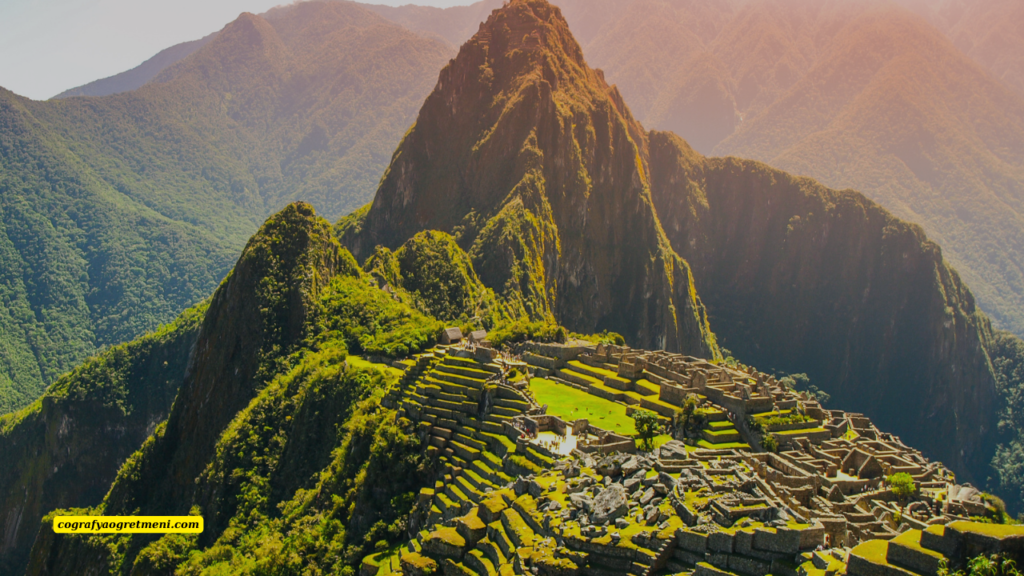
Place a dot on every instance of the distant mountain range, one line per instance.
(118, 212)
(746, 78)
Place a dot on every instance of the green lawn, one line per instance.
(357, 362)
(571, 404)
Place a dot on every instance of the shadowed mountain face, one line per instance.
(536, 165)
(118, 212)
(799, 277)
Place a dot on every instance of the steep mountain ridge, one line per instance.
(136, 77)
(64, 450)
(803, 278)
(535, 164)
(255, 320)
(269, 390)
(120, 211)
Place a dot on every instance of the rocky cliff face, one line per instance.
(803, 278)
(535, 164)
(65, 449)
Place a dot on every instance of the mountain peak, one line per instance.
(530, 26)
(535, 165)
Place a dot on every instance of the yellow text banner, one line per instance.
(128, 524)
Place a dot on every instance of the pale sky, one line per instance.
(48, 46)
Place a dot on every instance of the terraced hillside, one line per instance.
(506, 502)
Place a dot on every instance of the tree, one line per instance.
(646, 423)
(770, 443)
(802, 383)
(902, 486)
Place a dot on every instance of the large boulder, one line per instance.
(672, 450)
(612, 465)
(609, 504)
(581, 501)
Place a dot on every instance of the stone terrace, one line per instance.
(504, 504)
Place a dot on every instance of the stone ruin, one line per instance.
(505, 503)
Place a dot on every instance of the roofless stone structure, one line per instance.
(527, 491)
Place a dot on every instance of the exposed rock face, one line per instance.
(672, 450)
(609, 504)
(534, 163)
(802, 278)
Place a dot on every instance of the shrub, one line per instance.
(902, 486)
(646, 423)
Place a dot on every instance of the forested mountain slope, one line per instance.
(269, 391)
(118, 212)
(991, 32)
(66, 447)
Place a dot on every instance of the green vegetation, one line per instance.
(317, 428)
(994, 565)
(769, 419)
(647, 426)
(802, 383)
(690, 419)
(119, 212)
(372, 322)
(440, 278)
(110, 401)
(572, 404)
(1007, 353)
(299, 303)
(523, 330)
(902, 486)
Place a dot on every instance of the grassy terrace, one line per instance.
(571, 404)
(798, 431)
(994, 530)
(581, 367)
(873, 551)
(725, 446)
(357, 362)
